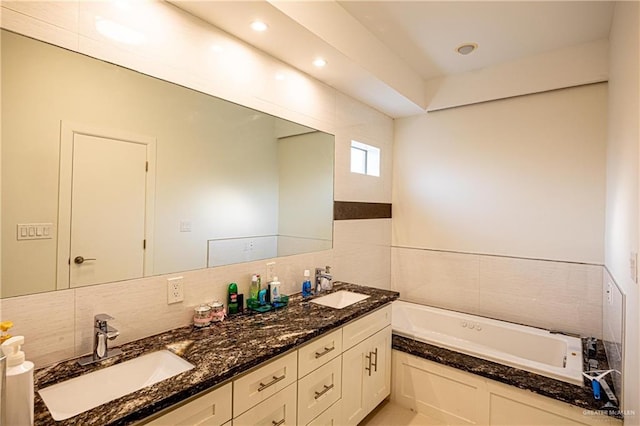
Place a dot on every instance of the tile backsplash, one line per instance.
(613, 308)
(548, 294)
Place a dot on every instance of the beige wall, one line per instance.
(243, 75)
(621, 238)
(518, 177)
(496, 206)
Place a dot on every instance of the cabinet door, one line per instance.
(211, 409)
(277, 410)
(358, 330)
(366, 376)
(377, 381)
(354, 362)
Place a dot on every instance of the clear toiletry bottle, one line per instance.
(306, 284)
(274, 290)
(19, 392)
(255, 286)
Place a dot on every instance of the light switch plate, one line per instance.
(34, 231)
(175, 290)
(633, 266)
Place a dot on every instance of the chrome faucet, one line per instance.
(102, 333)
(323, 279)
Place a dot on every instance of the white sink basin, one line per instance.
(74, 396)
(340, 299)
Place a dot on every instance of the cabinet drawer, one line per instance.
(319, 352)
(330, 417)
(279, 409)
(210, 409)
(260, 384)
(357, 331)
(319, 390)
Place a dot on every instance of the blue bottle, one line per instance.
(306, 284)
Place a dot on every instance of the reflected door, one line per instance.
(108, 193)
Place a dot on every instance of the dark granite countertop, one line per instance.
(219, 352)
(581, 396)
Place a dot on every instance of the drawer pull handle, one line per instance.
(375, 364)
(274, 423)
(275, 380)
(368, 357)
(326, 389)
(326, 351)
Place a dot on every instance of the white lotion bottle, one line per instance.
(274, 290)
(19, 392)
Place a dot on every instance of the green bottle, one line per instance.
(232, 302)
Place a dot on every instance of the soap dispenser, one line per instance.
(19, 395)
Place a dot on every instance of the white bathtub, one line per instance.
(527, 348)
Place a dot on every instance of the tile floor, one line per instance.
(391, 414)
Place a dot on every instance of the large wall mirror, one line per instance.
(109, 174)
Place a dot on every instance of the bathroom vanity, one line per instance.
(282, 365)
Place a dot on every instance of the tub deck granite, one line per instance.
(580, 396)
(219, 352)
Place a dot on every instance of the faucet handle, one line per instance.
(101, 319)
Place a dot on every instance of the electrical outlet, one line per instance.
(175, 290)
(609, 293)
(271, 271)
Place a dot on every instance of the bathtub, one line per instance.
(527, 348)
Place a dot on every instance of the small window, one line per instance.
(365, 159)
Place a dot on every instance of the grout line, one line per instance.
(497, 255)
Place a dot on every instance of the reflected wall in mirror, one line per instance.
(109, 174)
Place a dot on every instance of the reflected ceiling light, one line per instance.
(259, 26)
(122, 4)
(320, 62)
(216, 48)
(280, 76)
(465, 49)
(118, 32)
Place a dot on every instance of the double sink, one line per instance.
(99, 387)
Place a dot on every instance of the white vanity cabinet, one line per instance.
(336, 379)
(366, 376)
(211, 409)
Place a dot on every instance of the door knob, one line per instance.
(80, 260)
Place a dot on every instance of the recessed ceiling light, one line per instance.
(465, 49)
(259, 26)
(280, 76)
(320, 62)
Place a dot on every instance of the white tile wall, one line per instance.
(612, 327)
(57, 325)
(362, 251)
(548, 294)
(447, 280)
(47, 322)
